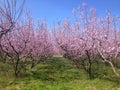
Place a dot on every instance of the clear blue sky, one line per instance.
(53, 10)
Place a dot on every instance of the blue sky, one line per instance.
(53, 10)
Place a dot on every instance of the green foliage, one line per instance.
(57, 73)
(55, 69)
(100, 70)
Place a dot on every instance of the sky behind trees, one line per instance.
(57, 10)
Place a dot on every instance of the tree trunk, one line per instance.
(89, 65)
(16, 69)
(113, 68)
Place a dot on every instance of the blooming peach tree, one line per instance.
(90, 39)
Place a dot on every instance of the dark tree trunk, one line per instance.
(89, 70)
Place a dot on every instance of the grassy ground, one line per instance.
(55, 74)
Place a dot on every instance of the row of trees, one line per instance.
(21, 42)
(90, 39)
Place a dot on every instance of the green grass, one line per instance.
(55, 74)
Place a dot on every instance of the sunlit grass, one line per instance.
(56, 74)
(71, 85)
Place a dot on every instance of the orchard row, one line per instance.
(89, 39)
